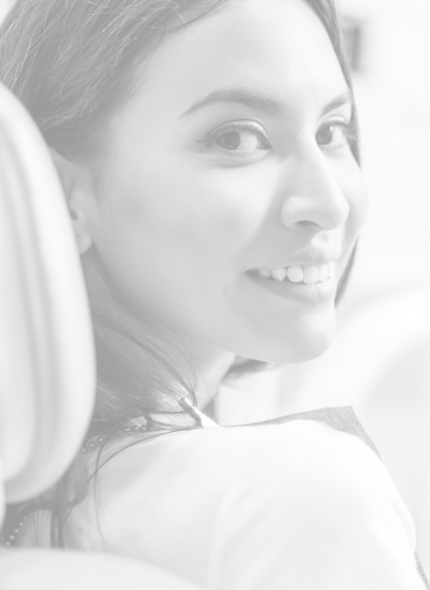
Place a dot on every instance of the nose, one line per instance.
(312, 194)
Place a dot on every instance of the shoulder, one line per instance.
(298, 458)
(297, 455)
(238, 487)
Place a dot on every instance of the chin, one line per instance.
(311, 339)
(300, 341)
(310, 349)
(302, 352)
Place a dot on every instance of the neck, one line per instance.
(211, 370)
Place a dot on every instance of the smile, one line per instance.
(310, 275)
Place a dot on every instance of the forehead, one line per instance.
(279, 47)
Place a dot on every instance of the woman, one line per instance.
(208, 153)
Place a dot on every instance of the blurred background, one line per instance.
(380, 361)
(388, 318)
(382, 355)
(390, 50)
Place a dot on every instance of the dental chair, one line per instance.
(47, 361)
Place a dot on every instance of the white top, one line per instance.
(297, 505)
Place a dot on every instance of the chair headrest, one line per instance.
(47, 360)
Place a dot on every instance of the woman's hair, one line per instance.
(73, 65)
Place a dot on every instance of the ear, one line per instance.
(75, 185)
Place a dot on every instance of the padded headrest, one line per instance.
(47, 360)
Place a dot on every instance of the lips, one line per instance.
(308, 274)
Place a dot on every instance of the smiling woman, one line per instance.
(208, 154)
(261, 177)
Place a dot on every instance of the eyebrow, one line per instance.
(339, 101)
(259, 102)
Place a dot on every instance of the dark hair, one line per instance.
(72, 65)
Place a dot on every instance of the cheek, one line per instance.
(229, 206)
(204, 214)
(194, 222)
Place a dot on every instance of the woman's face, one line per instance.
(229, 162)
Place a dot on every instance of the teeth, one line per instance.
(310, 275)
(279, 274)
(295, 274)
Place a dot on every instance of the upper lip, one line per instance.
(309, 257)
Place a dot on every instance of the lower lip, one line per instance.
(318, 293)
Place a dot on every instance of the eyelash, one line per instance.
(238, 126)
(347, 127)
(258, 131)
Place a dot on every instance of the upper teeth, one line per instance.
(296, 274)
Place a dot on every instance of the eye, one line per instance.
(240, 138)
(334, 134)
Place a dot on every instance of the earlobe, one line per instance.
(74, 193)
(83, 241)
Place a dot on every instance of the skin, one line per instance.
(179, 219)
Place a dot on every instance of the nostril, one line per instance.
(310, 225)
